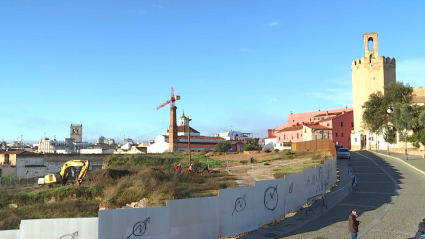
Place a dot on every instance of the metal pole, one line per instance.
(376, 142)
(188, 140)
(388, 147)
(405, 146)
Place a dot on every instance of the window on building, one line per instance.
(327, 124)
(279, 139)
(352, 124)
(342, 134)
(342, 124)
(336, 134)
(355, 140)
(292, 136)
(298, 135)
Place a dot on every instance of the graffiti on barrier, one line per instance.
(271, 198)
(240, 204)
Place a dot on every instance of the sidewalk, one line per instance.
(302, 218)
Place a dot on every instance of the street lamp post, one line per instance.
(376, 142)
(389, 111)
(405, 143)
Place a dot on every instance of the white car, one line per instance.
(343, 153)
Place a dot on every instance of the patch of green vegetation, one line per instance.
(316, 158)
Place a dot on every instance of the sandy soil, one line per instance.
(247, 173)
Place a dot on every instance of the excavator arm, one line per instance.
(65, 172)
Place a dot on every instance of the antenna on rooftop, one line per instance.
(21, 137)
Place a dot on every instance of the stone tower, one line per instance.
(172, 135)
(77, 132)
(369, 74)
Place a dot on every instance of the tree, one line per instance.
(412, 118)
(251, 145)
(375, 114)
(398, 97)
(222, 146)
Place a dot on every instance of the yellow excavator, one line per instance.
(73, 169)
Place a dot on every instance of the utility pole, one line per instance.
(188, 140)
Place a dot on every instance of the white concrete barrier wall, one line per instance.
(269, 200)
(60, 228)
(194, 218)
(151, 222)
(237, 210)
(310, 182)
(234, 211)
(10, 234)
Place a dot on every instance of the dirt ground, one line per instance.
(247, 173)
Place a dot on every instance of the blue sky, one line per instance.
(236, 64)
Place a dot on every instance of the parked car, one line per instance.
(337, 146)
(343, 153)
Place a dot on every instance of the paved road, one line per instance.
(390, 198)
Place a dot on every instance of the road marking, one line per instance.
(381, 214)
(420, 171)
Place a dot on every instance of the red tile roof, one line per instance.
(291, 128)
(196, 137)
(183, 128)
(317, 126)
(197, 145)
(16, 152)
(336, 113)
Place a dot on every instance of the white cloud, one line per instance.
(273, 24)
(342, 97)
(270, 98)
(411, 71)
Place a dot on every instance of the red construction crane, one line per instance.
(171, 100)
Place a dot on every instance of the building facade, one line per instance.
(334, 124)
(369, 75)
(76, 132)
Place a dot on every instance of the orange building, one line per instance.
(334, 124)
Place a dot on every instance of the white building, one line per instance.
(46, 145)
(269, 143)
(96, 151)
(236, 135)
(197, 141)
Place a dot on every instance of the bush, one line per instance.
(222, 146)
(276, 150)
(243, 161)
(251, 145)
(288, 152)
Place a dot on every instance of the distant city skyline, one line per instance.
(241, 65)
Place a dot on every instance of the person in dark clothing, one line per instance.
(353, 224)
(421, 229)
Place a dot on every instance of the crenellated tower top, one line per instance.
(371, 55)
